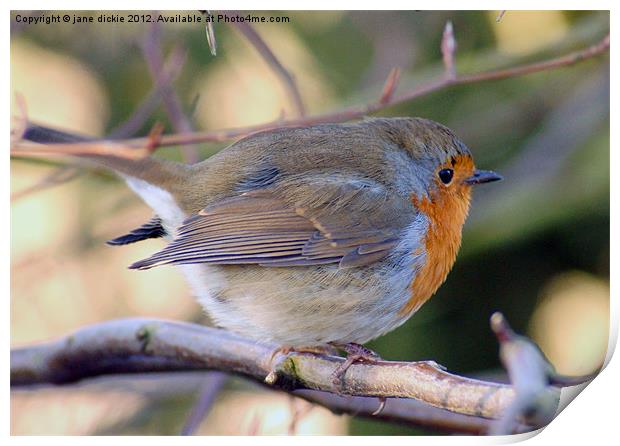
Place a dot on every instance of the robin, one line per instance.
(332, 234)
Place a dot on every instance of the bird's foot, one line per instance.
(285, 350)
(355, 353)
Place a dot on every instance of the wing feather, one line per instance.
(270, 229)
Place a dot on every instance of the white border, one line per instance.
(592, 417)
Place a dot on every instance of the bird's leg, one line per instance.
(355, 353)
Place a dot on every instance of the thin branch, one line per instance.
(92, 148)
(154, 57)
(172, 69)
(59, 175)
(213, 384)
(21, 121)
(448, 48)
(391, 83)
(359, 111)
(297, 413)
(254, 426)
(154, 138)
(276, 66)
(551, 64)
(517, 350)
(530, 374)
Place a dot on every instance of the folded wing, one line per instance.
(304, 222)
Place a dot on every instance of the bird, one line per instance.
(329, 234)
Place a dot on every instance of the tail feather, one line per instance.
(152, 229)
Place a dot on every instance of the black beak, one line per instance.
(482, 176)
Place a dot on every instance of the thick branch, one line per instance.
(142, 345)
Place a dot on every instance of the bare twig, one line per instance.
(551, 64)
(155, 61)
(270, 58)
(359, 111)
(213, 384)
(569, 381)
(254, 427)
(390, 86)
(21, 120)
(154, 138)
(95, 148)
(362, 110)
(58, 176)
(530, 374)
(448, 48)
(172, 69)
(297, 413)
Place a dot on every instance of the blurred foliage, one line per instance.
(543, 231)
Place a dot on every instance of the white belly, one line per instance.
(296, 306)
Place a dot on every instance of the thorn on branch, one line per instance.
(448, 48)
(154, 138)
(500, 15)
(391, 83)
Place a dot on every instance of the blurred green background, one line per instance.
(535, 247)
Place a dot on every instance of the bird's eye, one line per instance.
(445, 175)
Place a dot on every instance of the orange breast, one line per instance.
(446, 210)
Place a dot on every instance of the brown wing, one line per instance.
(349, 224)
